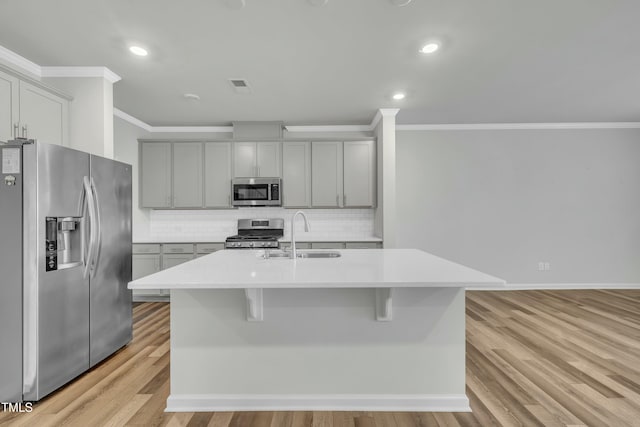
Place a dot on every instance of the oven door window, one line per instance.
(250, 192)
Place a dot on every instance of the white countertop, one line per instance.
(356, 268)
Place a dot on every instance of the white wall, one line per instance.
(503, 200)
(126, 150)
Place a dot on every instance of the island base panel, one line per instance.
(318, 349)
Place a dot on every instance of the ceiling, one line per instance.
(501, 61)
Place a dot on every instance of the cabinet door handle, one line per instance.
(24, 131)
(16, 127)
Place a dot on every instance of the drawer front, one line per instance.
(207, 248)
(146, 248)
(327, 245)
(177, 248)
(299, 245)
(364, 245)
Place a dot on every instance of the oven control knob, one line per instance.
(250, 244)
(261, 243)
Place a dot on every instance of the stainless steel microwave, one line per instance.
(256, 192)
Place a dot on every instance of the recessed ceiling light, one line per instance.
(430, 47)
(191, 96)
(400, 2)
(398, 96)
(137, 50)
(235, 4)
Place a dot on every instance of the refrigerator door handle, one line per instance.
(97, 224)
(92, 225)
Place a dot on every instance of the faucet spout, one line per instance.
(294, 253)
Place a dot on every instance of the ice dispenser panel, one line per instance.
(63, 243)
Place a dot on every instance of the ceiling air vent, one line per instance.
(240, 85)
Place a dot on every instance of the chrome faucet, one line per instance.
(294, 253)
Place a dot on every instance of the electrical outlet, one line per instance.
(544, 266)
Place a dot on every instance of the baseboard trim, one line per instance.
(322, 402)
(559, 286)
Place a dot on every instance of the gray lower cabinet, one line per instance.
(145, 261)
(149, 258)
(299, 245)
(363, 245)
(171, 260)
(328, 245)
(333, 245)
(203, 249)
(175, 254)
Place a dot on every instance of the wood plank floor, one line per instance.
(534, 358)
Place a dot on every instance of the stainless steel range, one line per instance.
(257, 234)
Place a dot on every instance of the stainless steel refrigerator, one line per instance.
(65, 261)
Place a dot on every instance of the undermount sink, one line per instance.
(301, 254)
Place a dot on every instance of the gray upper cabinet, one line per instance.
(343, 174)
(217, 174)
(171, 175)
(296, 174)
(252, 159)
(187, 175)
(29, 111)
(155, 175)
(326, 174)
(359, 174)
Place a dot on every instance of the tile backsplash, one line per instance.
(215, 225)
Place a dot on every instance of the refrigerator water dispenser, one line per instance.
(63, 243)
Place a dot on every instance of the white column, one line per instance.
(385, 215)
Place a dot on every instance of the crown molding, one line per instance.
(383, 112)
(192, 129)
(103, 72)
(521, 126)
(329, 128)
(128, 118)
(170, 129)
(21, 62)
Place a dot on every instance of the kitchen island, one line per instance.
(376, 329)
